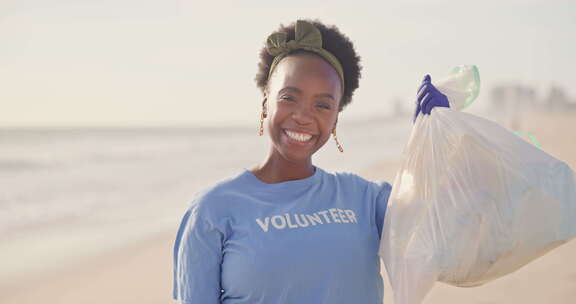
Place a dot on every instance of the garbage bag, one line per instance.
(471, 202)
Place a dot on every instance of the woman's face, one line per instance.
(304, 93)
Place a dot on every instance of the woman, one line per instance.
(286, 231)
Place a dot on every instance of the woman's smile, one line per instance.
(298, 139)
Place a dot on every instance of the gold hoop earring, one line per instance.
(262, 116)
(337, 143)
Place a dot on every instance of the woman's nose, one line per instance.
(302, 114)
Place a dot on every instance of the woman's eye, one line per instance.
(321, 105)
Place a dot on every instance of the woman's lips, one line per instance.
(297, 142)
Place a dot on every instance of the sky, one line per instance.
(66, 63)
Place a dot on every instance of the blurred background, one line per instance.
(115, 112)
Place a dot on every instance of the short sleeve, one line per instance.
(382, 203)
(197, 260)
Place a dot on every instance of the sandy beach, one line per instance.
(142, 273)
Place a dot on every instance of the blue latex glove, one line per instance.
(428, 98)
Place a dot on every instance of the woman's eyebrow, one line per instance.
(297, 90)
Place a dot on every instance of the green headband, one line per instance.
(308, 37)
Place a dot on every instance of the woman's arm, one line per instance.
(197, 259)
(382, 204)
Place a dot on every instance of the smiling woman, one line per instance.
(306, 83)
(286, 218)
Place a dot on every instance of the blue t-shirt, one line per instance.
(308, 241)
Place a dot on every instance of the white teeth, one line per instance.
(298, 136)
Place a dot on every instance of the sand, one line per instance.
(142, 273)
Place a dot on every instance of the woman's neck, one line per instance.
(276, 170)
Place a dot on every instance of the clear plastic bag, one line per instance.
(472, 201)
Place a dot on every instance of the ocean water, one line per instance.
(70, 193)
